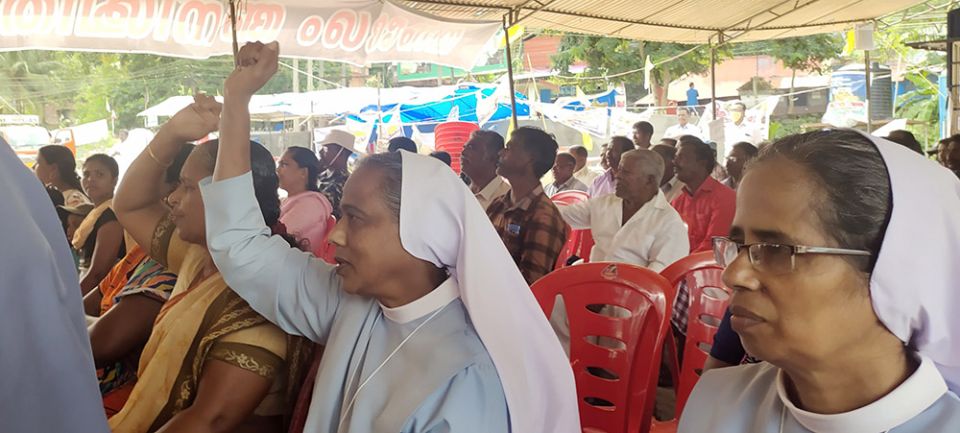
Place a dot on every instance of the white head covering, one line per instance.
(442, 222)
(339, 137)
(48, 380)
(915, 285)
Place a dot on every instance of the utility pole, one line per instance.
(310, 75)
(296, 75)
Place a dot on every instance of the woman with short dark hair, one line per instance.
(857, 329)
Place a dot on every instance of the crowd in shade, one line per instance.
(394, 294)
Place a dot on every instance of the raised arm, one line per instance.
(257, 64)
(289, 287)
(138, 202)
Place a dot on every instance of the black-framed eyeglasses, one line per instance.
(770, 257)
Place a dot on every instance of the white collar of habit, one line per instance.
(439, 297)
(923, 388)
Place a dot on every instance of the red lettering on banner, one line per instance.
(197, 22)
(449, 42)
(66, 16)
(118, 19)
(164, 20)
(430, 42)
(27, 17)
(257, 22)
(385, 33)
(347, 30)
(406, 39)
(264, 19)
(310, 31)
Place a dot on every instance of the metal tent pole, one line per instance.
(868, 77)
(513, 93)
(713, 74)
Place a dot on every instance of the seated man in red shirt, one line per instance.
(706, 206)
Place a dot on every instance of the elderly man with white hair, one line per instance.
(636, 225)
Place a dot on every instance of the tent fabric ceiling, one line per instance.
(682, 21)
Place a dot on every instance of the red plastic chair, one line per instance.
(579, 242)
(709, 299)
(328, 249)
(570, 197)
(616, 386)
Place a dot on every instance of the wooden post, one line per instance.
(233, 32)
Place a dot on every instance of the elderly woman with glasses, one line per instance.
(855, 325)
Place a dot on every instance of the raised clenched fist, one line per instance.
(196, 120)
(257, 62)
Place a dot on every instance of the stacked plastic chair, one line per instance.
(619, 317)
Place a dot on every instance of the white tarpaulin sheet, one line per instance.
(354, 31)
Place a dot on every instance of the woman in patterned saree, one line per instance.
(211, 363)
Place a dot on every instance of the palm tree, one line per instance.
(27, 78)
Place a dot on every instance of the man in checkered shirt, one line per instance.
(528, 222)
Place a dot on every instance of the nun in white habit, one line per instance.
(428, 324)
(843, 259)
(48, 381)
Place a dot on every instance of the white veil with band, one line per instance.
(915, 287)
(442, 222)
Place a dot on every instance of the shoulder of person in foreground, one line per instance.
(728, 395)
(53, 365)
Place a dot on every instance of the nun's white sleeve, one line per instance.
(577, 214)
(291, 288)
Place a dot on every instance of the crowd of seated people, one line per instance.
(209, 306)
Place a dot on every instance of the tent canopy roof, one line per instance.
(682, 21)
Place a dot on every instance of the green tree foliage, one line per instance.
(24, 73)
(804, 53)
(80, 85)
(612, 57)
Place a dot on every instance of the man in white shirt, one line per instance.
(736, 129)
(683, 126)
(636, 225)
(582, 171)
(479, 160)
(563, 178)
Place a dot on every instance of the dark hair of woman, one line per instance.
(265, 184)
(107, 161)
(857, 203)
(57, 198)
(391, 165)
(172, 175)
(306, 158)
(66, 164)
